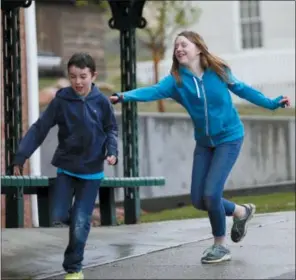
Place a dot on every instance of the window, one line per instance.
(250, 24)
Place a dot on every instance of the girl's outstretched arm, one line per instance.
(254, 96)
(161, 90)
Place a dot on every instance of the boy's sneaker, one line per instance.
(74, 275)
(239, 228)
(216, 254)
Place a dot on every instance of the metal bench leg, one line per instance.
(14, 200)
(44, 207)
(132, 207)
(107, 207)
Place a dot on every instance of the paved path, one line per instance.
(162, 250)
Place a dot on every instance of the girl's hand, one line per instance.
(285, 102)
(115, 98)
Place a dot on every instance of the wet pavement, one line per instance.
(165, 250)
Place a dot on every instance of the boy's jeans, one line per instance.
(78, 216)
(211, 167)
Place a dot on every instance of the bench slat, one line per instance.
(133, 182)
(117, 182)
(24, 181)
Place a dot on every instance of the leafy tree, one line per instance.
(102, 4)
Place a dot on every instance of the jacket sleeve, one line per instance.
(161, 90)
(36, 134)
(111, 129)
(252, 95)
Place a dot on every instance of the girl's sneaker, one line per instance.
(240, 226)
(74, 275)
(216, 254)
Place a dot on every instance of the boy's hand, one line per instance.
(17, 170)
(112, 160)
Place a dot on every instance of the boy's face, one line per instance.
(81, 79)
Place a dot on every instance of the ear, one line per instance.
(94, 76)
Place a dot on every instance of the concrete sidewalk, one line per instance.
(121, 252)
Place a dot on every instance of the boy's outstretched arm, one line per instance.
(36, 134)
(111, 129)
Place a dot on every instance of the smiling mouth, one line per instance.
(180, 55)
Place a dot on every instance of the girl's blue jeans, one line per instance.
(211, 167)
(77, 215)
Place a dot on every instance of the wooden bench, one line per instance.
(14, 187)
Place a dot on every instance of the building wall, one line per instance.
(279, 24)
(219, 24)
(64, 29)
(27, 218)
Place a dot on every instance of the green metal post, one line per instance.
(130, 125)
(127, 16)
(12, 109)
(12, 102)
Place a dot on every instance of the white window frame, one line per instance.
(238, 21)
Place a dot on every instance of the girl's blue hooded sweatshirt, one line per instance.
(208, 102)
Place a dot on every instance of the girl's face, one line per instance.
(81, 79)
(185, 51)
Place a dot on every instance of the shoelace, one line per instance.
(208, 250)
(214, 249)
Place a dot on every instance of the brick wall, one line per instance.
(64, 29)
(27, 218)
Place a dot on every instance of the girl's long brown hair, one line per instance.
(207, 60)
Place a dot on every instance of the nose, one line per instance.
(178, 50)
(78, 82)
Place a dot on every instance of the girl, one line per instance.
(87, 136)
(200, 82)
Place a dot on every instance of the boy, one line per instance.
(87, 136)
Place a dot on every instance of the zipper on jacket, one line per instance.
(197, 87)
(84, 119)
(206, 113)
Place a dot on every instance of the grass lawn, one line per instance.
(267, 203)
(173, 107)
(46, 82)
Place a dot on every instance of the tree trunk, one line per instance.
(156, 60)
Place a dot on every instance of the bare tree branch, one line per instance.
(163, 18)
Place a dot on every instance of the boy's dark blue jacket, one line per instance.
(87, 132)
